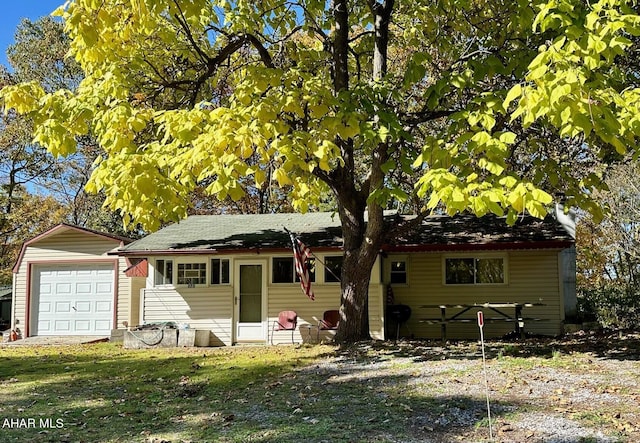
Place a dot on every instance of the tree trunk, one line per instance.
(360, 254)
(362, 241)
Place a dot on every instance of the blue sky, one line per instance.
(15, 10)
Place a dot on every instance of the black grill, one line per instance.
(398, 314)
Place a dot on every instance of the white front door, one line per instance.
(250, 301)
(73, 299)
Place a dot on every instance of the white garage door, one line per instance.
(74, 299)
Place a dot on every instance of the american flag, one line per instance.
(301, 253)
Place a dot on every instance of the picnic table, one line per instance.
(498, 309)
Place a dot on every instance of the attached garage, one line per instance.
(66, 282)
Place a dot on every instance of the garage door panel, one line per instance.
(74, 300)
(44, 326)
(64, 271)
(83, 326)
(103, 306)
(62, 326)
(62, 307)
(103, 326)
(83, 307)
(63, 289)
(84, 288)
(45, 307)
(104, 288)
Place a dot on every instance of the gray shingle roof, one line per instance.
(466, 229)
(213, 232)
(204, 233)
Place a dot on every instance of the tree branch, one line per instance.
(414, 118)
(185, 28)
(341, 45)
(362, 34)
(402, 227)
(382, 16)
(264, 54)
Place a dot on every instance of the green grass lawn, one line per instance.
(106, 393)
(370, 393)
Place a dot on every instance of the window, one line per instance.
(219, 271)
(283, 270)
(469, 271)
(489, 270)
(459, 271)
(311, 266)
(163, 272)
(192, 273)
(398, 272)
(332, 269)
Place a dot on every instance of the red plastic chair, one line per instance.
(329, 322)
(287, 321)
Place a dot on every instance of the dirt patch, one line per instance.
(583, 388)
(66, 340)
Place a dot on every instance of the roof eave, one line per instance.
(547, 244)
(217, 251)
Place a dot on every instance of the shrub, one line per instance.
(611, 306)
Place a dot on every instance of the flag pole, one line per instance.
(315, 257)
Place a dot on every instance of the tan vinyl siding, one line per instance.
(70, 244)
(62, 248)
(285, 297)
(289, 296)
(200, 308)
(532, 276)
(137, 286)
(124, 295)
(376, 310)
(211, 307)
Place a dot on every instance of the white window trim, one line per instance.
(272, 269)
(207, 272)
(210, 271)
(206, 259)
(293, 270)
(474, 255)
(152, 275)
(324, 269)
(398, 258)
